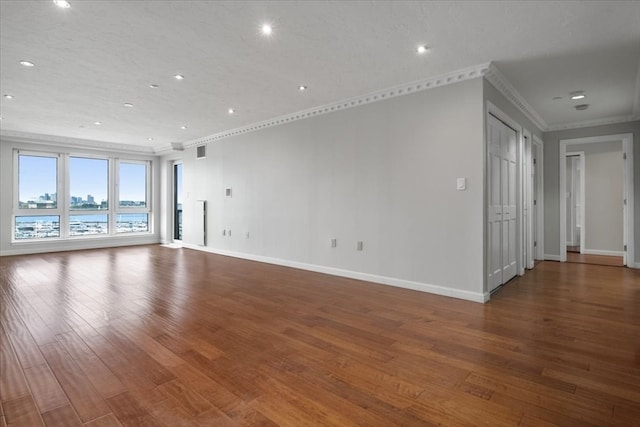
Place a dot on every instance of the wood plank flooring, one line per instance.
(153, 336)
(615, 261)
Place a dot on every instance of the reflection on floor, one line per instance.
(616, 261)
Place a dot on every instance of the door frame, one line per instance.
(627, 190)
(580, 155)
(493, 110)
(174, 193)
(539, 205)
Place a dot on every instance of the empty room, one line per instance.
(319, 213)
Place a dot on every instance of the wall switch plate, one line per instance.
(334, 243)
(224, 232)
(461, 184)
(247, 234)
(359, 246)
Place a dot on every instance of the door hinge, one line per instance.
(624, 156)
(625, 248)
(534, 161)
(535, 202)
(624, 202)
(535, 244)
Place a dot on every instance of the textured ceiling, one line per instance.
(92, 58)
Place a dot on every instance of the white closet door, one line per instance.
(495, 222)
(502, 213)
(509, 211)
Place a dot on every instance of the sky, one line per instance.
(37, 176)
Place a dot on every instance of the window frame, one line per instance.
(63, 189)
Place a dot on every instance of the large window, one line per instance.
(69, 196)
(37, 182)
(133, 211)
(88, 183)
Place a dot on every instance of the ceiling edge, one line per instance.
(61, 141)
(500, 82)
(594, 122)
(380, 95)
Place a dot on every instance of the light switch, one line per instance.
(334, 243)
(461, 184)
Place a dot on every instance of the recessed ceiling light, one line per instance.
(231, 111)
(128, 104)
(178, 77)
(97, 123)
(183, 127)
(9, 96)
(422, 49)
(577, 94)
(62, 4)
(302, 88)
(154, 86)
(267, 29)
(27, 63)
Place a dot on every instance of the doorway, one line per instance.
(596, 209)
(177, 201)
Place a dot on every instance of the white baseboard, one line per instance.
(601, 252)
(390, 281)
(549, 257)
(26, 248)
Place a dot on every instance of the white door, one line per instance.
(502, 218)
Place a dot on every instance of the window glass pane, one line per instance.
(36, 227)
(133, 185)
(132, 223)
(37, 182)
(88, 183)
(84, 225)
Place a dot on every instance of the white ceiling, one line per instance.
(92, 58)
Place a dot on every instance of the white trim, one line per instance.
(379, 95)
(58, 245)
(539, 253)
(583, 211)
(628, 189)
(594, 122)
(549, 257)
(383, 280)
(636, 97)
(601, 252)
(500, 82)
(67, 142)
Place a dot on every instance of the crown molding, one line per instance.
(62, 141)
(594, 122)
(500, 82)
(380, 95)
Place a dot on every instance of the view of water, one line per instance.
(41, 226)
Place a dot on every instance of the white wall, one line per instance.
(383, 173)
(7, 147)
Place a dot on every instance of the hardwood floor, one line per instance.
(615, 261)
(153, 336)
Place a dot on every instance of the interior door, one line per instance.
(502, 212)
(494, 196)
(509, 194)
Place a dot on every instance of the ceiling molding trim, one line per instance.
(594, 122)
(62, 141)
(380, 95)
(500, 82)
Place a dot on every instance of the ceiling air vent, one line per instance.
(582, 107)
(201, 151)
